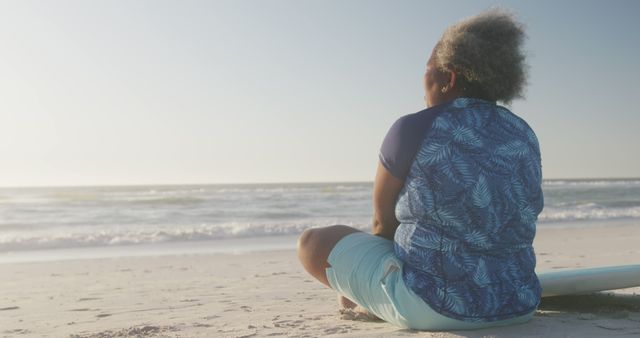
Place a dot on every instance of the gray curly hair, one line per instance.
(485, 50)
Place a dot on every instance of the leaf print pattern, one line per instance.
(481, 275)
(441, 124)
(480, 193)
(467, 214)
(464, 170)
(466, 137)
(478, 239)
(434, 153)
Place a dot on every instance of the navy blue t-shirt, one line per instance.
(403, 139)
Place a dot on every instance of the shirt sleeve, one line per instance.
(401, 143)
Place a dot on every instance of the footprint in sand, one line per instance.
(338, 329)
(201, 325)
(9, 308)
(288, 323)
(134, 331)
(16, 331)
(189, 300)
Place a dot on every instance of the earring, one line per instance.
(444, 89)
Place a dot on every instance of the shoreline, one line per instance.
(241, 245)
(204, 247)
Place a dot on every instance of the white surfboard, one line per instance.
(573, 281)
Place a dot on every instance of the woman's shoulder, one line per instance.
(411, 128)
(417, 120)
(403, 138)
(522, 125)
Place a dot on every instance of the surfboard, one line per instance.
(574, 281)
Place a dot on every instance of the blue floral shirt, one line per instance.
(468, 208)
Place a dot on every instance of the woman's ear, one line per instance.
(452, 80)
(449, 81)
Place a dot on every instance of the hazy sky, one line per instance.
(137, 92)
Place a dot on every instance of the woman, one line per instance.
(456, 197)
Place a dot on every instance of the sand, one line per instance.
(269, 294)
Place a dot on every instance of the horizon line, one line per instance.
(273, 183)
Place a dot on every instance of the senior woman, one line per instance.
(456, 197)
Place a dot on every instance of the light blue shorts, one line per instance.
(364, 269)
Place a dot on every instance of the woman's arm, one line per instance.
(386, 188)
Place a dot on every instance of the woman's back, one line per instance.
(467, 212)
(458, 188)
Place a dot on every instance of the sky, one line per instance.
(179, 92)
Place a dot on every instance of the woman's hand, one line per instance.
(386, 188)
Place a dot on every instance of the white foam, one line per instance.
(611, 182)
(50, 218)
(109, 236)
(587, 212)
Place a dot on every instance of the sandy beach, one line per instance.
(160, 160)
(267, 293)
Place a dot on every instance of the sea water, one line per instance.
(136, 220)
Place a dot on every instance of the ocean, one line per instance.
(58, 222)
